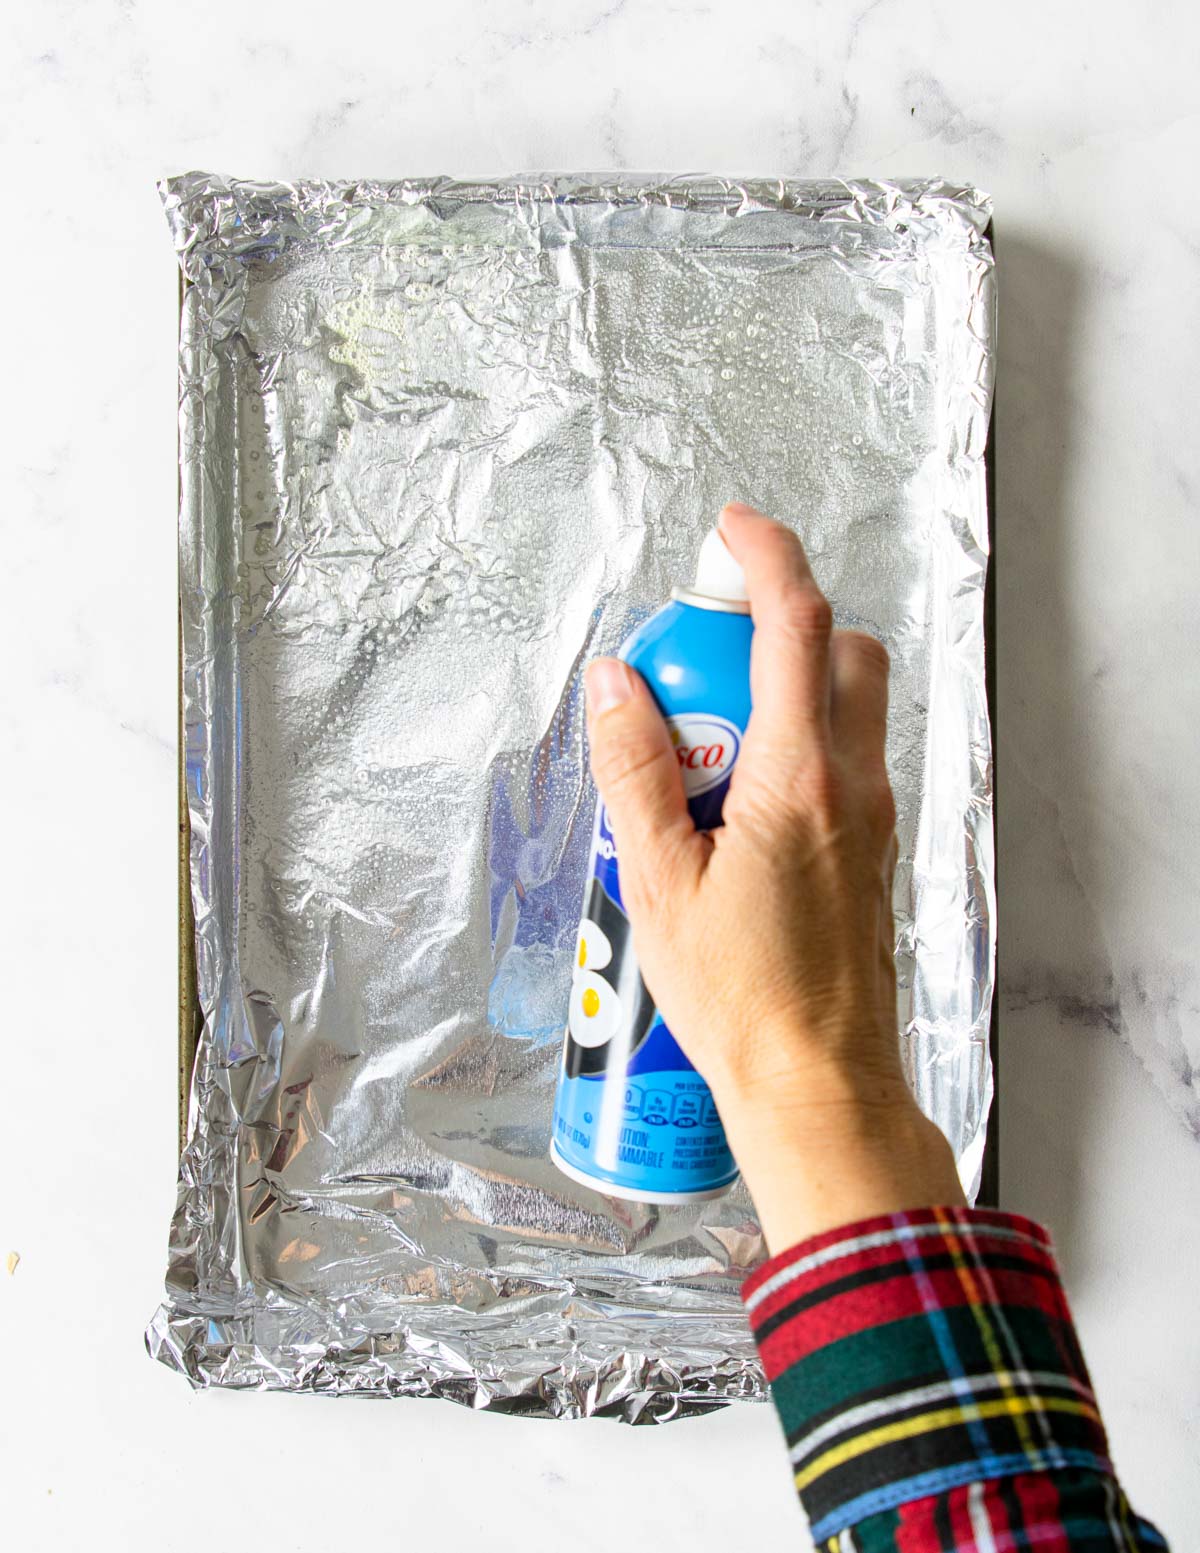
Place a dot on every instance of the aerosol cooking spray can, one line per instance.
(632, 1117)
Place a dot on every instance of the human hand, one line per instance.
(768, 944)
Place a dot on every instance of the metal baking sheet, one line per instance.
(440, 443)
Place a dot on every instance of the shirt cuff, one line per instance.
(913, 1353)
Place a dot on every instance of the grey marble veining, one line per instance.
(1098, 707)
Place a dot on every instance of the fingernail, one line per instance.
(606, 684)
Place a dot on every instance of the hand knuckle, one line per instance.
(807, 612)
(881, 806)
(617, 764)
(821, 789)
(869, 649)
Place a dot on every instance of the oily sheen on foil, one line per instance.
(441, 443)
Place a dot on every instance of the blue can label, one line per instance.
(631, 1111)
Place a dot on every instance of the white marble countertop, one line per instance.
(1083, 125)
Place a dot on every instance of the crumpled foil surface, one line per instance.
(440, 443)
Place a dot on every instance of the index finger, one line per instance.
(789, 662)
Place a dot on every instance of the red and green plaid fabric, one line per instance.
(930, 1383)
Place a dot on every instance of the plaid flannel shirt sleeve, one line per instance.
(930, 1383)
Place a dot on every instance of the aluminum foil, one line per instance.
(441, 443)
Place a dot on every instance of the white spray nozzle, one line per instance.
(718, 575)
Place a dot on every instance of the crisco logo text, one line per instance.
(706, 747)
(701, 757)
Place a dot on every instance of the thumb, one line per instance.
(636, 770)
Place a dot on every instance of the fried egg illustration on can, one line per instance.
(610, 1010)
